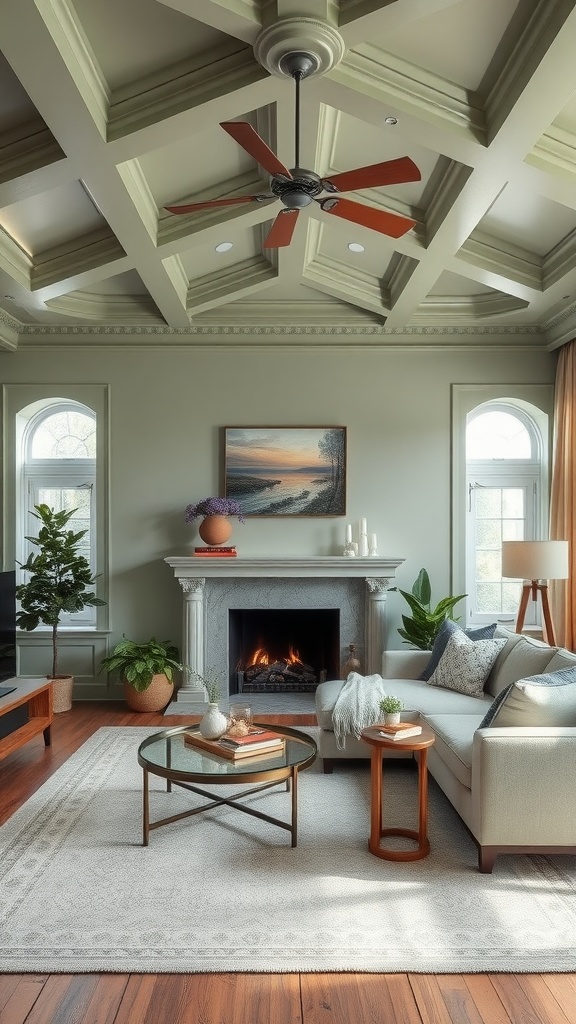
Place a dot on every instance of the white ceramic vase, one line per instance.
(214, 723)
(392, 718)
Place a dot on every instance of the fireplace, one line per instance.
(353, 590)
(282, 650)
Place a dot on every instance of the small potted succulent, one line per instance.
(215, 528)
(391, 707)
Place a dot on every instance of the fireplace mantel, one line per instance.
(187, 567)
(195, 573)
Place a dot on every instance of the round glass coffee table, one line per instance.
(168, 755)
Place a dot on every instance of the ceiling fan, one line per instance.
(298, 187)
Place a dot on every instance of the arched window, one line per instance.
(506, 500)
(58, 468)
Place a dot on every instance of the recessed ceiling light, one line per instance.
(355, 247)
(224, 246)
(390, 120)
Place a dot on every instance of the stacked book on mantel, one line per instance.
(254, 744)
(215, 552)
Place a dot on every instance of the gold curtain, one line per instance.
(563, 493)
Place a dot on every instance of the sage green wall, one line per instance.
(168, 405)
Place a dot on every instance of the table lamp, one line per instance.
(536, 561)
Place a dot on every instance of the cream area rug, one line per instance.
(223, 891)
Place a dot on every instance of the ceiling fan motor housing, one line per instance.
(299, 190)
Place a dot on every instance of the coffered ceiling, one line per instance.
(111, 110)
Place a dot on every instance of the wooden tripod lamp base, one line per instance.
(532, 590)
(535, 562)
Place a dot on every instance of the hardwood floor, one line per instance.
(251, 998)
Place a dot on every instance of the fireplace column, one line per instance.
(191, 691)
(375, 623)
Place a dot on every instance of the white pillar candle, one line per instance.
(373, 541)
(349, 533)
(362, 526)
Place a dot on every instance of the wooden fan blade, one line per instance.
(282, 229)
(191, 207)
(391, 172)
(248, 138)
(379, 220)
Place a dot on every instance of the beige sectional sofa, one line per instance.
(512, 785)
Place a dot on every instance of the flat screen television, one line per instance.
(7, 625)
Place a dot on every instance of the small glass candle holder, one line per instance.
(241, 713)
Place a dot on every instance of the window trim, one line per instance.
(20, 404)
(537, 401)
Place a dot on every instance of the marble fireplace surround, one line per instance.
(213, 586)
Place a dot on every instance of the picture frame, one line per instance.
(286, 471)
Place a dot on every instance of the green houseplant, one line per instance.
(147, 670)
(58, 581)
(391, 706)
(420, 628)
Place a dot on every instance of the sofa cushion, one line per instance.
(561, 659)
(454, 740)
(447, 629)
(418, 697)
(465, 664)
(547, 699)
(522, 657)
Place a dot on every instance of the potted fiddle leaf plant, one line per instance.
(147, 671)
(58, 581)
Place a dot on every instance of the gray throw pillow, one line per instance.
(447, 629)
(465, 664)
(545, 699)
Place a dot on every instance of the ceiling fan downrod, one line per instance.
(298, 65)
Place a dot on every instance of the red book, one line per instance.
(255, 736)
(217, 549)
(215, 554)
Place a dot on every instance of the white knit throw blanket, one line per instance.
(356, 706)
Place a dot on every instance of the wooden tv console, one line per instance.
(36, 696)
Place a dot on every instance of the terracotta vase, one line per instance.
(215, 530)
(154, 698)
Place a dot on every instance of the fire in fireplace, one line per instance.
(283, 650)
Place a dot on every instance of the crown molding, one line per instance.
(519, 64)
(560, 260)
(191, 83)
(66, 30)
(27, 149)
(247, 276)
(9, 331)
(555, 152)
(106, 309)
(485, 252)
(420, 93)
(466, 309)
(17, 263)
(93, 250)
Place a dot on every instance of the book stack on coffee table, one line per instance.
(257, 742)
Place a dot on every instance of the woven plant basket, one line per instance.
(62, 687)
(154, 698)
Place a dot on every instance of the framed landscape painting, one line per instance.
(286, 471)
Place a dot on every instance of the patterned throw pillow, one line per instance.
(447, 629)
(465, 664)
(545, 699)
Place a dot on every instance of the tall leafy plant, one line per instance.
(59, 576)
(420, 628)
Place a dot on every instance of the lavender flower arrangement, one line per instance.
(214, 507)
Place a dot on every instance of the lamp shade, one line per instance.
(535, 559)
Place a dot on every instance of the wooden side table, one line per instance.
(419, 744)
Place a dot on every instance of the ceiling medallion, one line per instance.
(322, 44)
